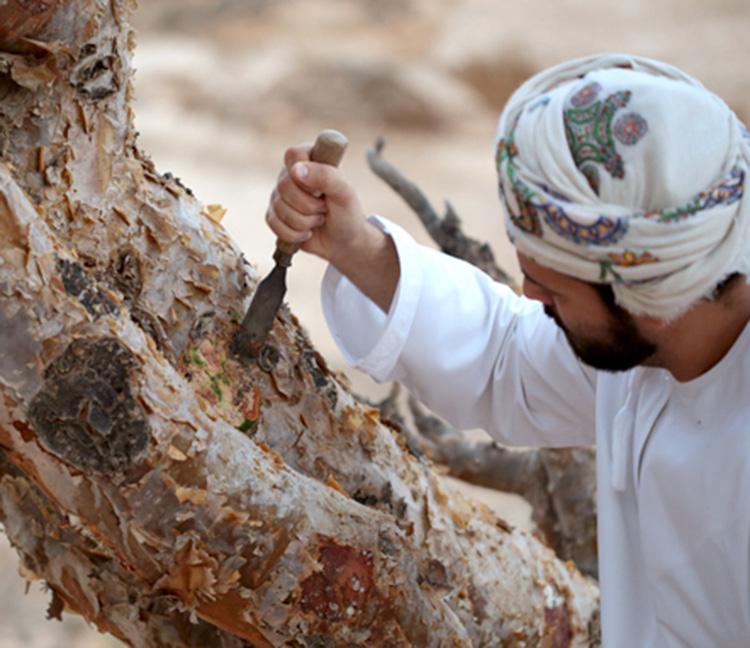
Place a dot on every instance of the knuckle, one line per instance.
(295, 154)
(289, 157)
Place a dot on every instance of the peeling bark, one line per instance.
(559, 484)
(166, 491)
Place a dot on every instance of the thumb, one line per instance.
(322, 179)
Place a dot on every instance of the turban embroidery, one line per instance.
(621, 170)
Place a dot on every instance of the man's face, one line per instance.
(618, 347)
(601, 334)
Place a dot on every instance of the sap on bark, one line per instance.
(343, 588)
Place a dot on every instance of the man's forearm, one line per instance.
(372, 265)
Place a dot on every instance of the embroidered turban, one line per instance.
(621, 170)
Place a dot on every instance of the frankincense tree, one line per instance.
(164, 489)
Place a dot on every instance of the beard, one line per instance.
(621, 347)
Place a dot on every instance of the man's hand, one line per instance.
(316, 205)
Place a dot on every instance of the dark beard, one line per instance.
(624, 346)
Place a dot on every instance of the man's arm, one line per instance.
(469, 348)
(315, 204)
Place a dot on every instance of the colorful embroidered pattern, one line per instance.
(630, 128)
(607, 269)
(525, 216)
(537, 104)
(605, 231)
(591, 136)
(629, 259)
(660, 239)
(532, 208)
(724, 191)
(585, 95)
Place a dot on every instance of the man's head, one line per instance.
(623, 171)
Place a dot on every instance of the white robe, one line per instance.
(673, 459)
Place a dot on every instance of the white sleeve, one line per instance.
(469, 348)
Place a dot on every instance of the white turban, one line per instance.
(617, 169)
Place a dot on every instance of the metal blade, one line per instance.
(261, 314)
(329, 147)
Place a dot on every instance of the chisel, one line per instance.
(329, 148)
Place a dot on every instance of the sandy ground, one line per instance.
(223, 87)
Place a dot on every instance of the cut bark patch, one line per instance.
(85, 411)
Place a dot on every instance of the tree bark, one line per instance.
(167, 491)
(558, 483)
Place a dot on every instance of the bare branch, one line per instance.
(446, 232)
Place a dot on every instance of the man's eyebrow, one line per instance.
(538, 283)
(532, 280)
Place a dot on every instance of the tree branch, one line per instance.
(446, 231)
(560, 484)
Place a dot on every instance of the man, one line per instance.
(623, 182)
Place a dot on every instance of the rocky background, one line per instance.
(224, 86)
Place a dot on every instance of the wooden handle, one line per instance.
(329, 148)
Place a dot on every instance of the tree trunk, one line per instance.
(167, 491)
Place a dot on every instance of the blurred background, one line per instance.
(224, 86)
